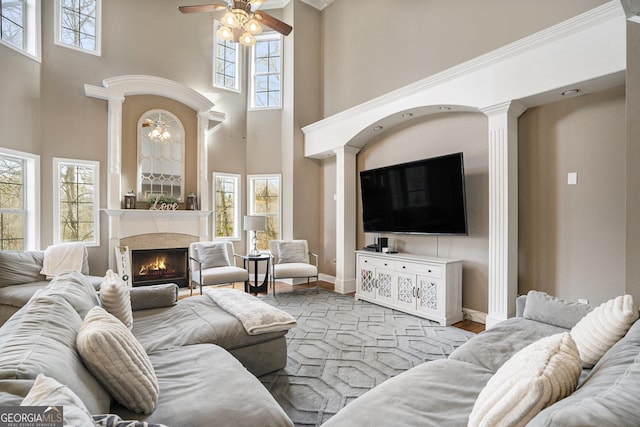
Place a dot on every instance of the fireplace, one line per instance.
(156, 266)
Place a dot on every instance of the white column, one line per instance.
(202, 190)
(114, 141)
(503, 210)
(346, 219)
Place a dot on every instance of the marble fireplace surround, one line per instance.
(148, 229)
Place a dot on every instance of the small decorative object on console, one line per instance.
(130, 200)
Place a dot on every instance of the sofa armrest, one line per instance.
(153, 296)
(521, 301)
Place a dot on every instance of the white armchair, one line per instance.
(214, 263)
(291, 260)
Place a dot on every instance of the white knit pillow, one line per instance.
(212, 255)
(115, 298)
(532, 379)
(599, 330)
(118, 361)
(46, 391)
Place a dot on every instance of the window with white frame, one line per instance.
(76, 201)
(226, 62)
(20, 26)
(266, 72)
(19, 194)
(78, 25)
(265, 200)
(226, 196)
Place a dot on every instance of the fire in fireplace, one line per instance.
(156, 266)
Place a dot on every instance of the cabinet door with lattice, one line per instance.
(406, 291)
(385, 289)
(430, 295)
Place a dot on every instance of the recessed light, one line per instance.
(407, 115)
(377, 128)
(444, 108)
(570, 92)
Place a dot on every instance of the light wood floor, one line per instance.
(467, 325)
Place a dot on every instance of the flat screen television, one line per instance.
(425, 196)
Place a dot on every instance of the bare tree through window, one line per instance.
(266, 201)
(12, 213)
(77, 203)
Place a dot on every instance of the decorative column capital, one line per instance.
(513, 108)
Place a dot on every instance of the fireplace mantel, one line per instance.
(125, 223)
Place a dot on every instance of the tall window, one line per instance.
(266, 71)
(77, 24)
(226, 63)
(264, 199)
(76, 201)
(227, 205)
(20, 26)
(19, 193)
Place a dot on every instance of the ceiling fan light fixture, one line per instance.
(230, 19)
(247, 39)
(253, 27)
(225, 33)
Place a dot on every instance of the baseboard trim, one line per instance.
(327, 278)
(474, 315)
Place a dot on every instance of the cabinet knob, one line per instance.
(429, 270)
(404, 266)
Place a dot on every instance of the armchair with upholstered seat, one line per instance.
(291, 260)
(214, 263)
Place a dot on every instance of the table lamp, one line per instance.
(255, 223)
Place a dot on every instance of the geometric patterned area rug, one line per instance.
(342, 348)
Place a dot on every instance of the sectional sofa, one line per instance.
(204, 361)
(446, 392)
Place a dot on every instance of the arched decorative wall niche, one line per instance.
(115, 89)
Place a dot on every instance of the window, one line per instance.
(264, 199)
(226, 196)
(77, 24)
(266, 71)
(19, 193)
(76, 200)
(226, 63)
(20, 26)
(161, 156)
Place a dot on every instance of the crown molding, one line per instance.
(318, 4)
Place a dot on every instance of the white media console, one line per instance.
(422, 286)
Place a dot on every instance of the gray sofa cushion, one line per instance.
(17, 296)
(554, 311)
(437, 393)
(203, 385)
(20, 267)
(41, 338)
(76, 289)
(153, 296)
(200, 320)
(608, 396)
(491, 348)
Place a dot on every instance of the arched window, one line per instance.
(160, 156)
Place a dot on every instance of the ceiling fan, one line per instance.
(242, 20)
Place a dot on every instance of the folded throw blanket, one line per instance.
(256, 316)
(63, 257)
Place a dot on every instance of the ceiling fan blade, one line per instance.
(274, 23)
(201, 8)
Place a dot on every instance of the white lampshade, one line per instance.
(252, 26)
(247, 39)
(225, 33)
(230, 20)
(255, 223)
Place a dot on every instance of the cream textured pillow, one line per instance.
(292, 251)
(115, 298)
(213, 255)
(118, 361)
(532, 379)
(47, 392)
(599, 330)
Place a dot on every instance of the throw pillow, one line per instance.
(292, 251)
(118, 361)
(554, 311)
(213, 255)
(47, 391)
(115, 298)
(112, 420)
(603, 327)
(535, 377)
